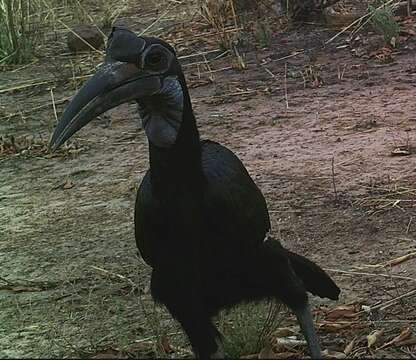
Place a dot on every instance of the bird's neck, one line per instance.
(178, 168)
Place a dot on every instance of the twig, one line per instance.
(40, 107)
(54, 107)
(234, 14)
(372, 321)
(270, 73)
(289, 56)
(346, 28)
(285, 85)
(212, 33)
(206, 98)
(90, 18)
(333, 179)
(25, 85)
(199, 54)
(131, 282)
(155, 336)
(208, 67)
(353, 273)
(72, 31)
(391, 262)
(408, 225)
(387, 304)
(369, 14)
(169, 9)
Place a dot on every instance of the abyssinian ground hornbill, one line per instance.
(200, 221)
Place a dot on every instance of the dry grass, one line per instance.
(204, 45)
(68, 72)
(35, 146)
(382, 20)
(222, 16)
(383, 198)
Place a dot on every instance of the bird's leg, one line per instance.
(185, 305)
(202, 335)
(218, 337)
(304, 316)
(219, 354)
(276, 277)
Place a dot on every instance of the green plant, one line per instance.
(263, 32)
(23, 24)
(244, 328)
(17, 32)
(383, 22)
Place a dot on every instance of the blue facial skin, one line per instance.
(162, 122)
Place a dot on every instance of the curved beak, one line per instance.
(115, 83)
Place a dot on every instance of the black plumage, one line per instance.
(201, 223)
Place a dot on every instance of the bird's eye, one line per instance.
(156, 59)
(153, 59)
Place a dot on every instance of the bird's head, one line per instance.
(139, 69)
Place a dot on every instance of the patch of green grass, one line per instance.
(22, 26)
(25, 25)
(244, 328)
(383, 22)
(17, 19)
(264, 32)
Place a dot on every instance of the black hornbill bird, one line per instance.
(201, 223)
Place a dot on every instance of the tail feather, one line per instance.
(315, 280)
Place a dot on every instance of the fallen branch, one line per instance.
(387, 304)
(392, 262)
(353, 273)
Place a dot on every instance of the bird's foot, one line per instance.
(219, 354)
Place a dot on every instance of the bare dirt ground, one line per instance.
(315, 130)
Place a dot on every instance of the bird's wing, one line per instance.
(235, 208)
(141, 218)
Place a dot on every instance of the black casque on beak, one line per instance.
(120, 79)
